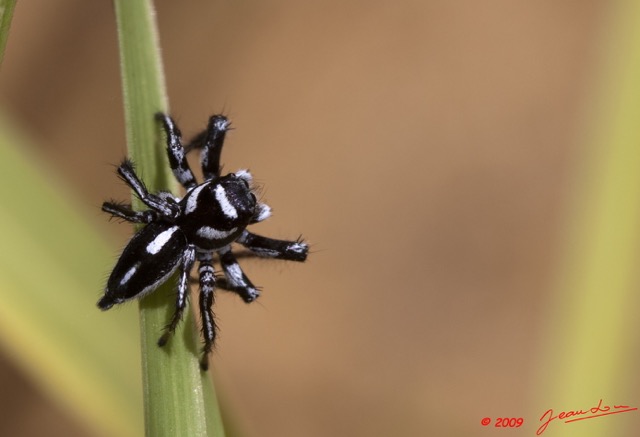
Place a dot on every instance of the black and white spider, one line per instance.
(177, 232)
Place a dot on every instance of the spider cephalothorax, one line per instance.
(179, 231)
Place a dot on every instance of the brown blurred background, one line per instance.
(424, 148)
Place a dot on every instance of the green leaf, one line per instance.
(52, 269)
(588, 348)
(6, 14)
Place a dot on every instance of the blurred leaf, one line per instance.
(6, 14)
(51, 270)
(593, 314)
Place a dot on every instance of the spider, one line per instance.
(180, 231)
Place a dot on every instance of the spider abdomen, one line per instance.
(151, 256)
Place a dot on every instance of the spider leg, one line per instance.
(163, 205)
(125, 212)
(209, 328)
(271, 248)
(197, 142)
(168, 197)
(175, 151)
(236, 280)
(213, 142)
(263, 212)
(183, 293)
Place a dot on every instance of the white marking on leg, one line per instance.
(243, 237)
(245, 175)
(298, 247)
(161, 239)
(262, 251)
(222, 124)
(183, 174)
(214, 234)
(264, 212)
(227, 208)
(234, 273)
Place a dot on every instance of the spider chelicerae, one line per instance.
(180, 231)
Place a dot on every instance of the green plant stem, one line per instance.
(6, 14)
(179, 398)
(592, 313)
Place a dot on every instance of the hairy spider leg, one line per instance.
(271, 248)
(213, 142)
(188, 259)
(176, 153)
(163, 205)
(207, 287)
(263, 213)
(125, 212)
(236, 280)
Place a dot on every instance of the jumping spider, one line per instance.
(178, 231)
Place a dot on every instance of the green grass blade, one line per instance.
(52, 268)
(589, 346)
(179, 398)
(6, 14)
